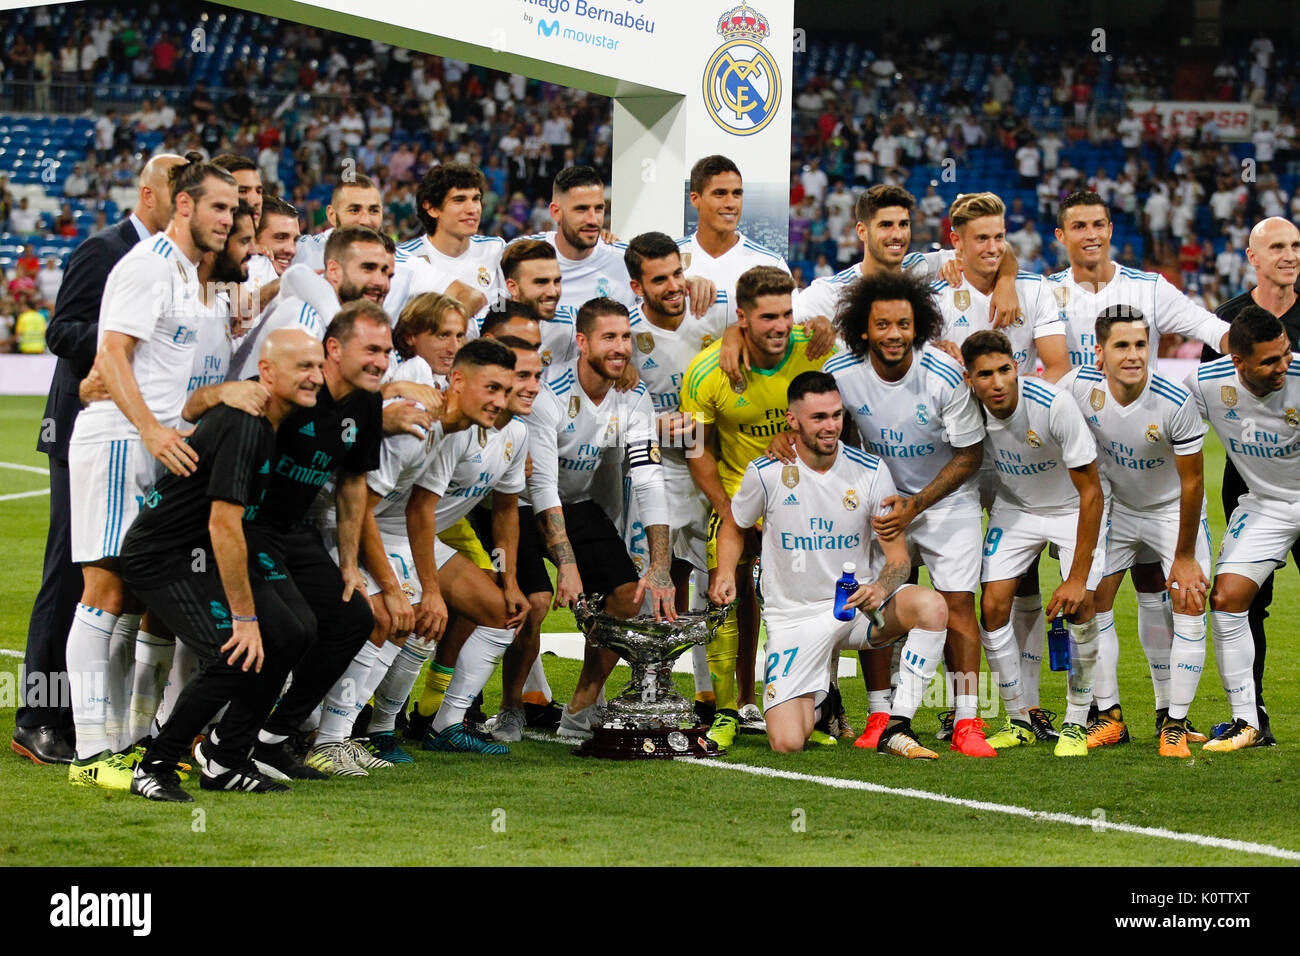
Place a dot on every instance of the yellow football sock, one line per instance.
(722, 653)
(435, 686)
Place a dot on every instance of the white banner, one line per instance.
(1235, 121)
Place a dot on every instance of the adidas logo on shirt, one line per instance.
(477, 459)
(309, 430)
(1232, 414)
(791, 500)
(649, 363)
(265, 469)
(864, 409)
(570, 428)
(962, 323)
(740, 402)
(1093, 420)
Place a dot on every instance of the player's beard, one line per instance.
(350, 292)
(225, 269)
(577, 239)
(206, 241)
(545, 308)
(671, 311)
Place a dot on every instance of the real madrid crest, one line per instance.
(1153, 434)
(1291, 417)
(611, 429)
(742, 85)
(922, 414)
(574, 406)
(961, 300)
(546, 357)
(510, 449)
(851, 500)
(1019, 321)
(1228, 393)
(484, 280)
(705, 341)
(1097, 399)
(482, 437)
(655, 455)
(790, 475)
(645, 342)
(1032, 439)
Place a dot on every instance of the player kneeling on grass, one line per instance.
(816, 515)
(1047, 492)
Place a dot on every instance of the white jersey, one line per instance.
(286, 312)
(724, 270)
(914, 423)
(812, 523)
(1032, 450)
(402, 459)
(602, 274)
(1164, 307)
(412, 276)
(261, 270)
(468, 466)
(1138, 441)
(478, 267)
(1260, 435)
(212, 353)
(152, 295)
(822, 297)
(662, 355)
(568, 432)
(310, 250)
(413, 369)
(559, 337)
(965, 311)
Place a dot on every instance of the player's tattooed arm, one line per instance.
(904, 509)
(568, 583)
(657, 579)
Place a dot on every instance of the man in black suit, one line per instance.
(43, 725)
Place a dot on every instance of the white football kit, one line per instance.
(212, 353)
(286, 312)
(478, 267)
(812, 524)
(1139, 443)
(152, 295)
(602, 274)
(724, 270)
(310, 250)
(822, 297)
(965, 311)
(913, 425)
(1262, 439)
(662, 356)
(1164, 308)
(412, 277)
(1036, 503)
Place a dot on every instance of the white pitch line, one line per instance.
(17, 467)
(5, 652)
(1040, 816)
(25, 494)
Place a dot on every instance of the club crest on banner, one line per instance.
(742, 85)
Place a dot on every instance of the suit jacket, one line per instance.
(73, 330)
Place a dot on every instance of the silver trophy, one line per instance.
(649, 719)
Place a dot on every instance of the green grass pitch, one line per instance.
(540, 805)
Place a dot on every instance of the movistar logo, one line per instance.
(309, 430)
(547, 29)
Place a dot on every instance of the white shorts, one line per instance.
(1014, 538)
(402, 562)
(948, 543)
(108, 481)
(1150, 537)
(1260, 534)
(688, 516)
(801, 644)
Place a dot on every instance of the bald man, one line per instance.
(43, 730)
(186, 557)
(1274, 252)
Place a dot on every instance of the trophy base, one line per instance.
(657, 744)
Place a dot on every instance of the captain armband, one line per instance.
(643, 453)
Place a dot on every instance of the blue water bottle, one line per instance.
(1058, 644)
(844, 588)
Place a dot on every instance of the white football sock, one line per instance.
(1234, 651)
(700, 665)
(396, 686)
(1083, 665)
(121, 676)
(474, 667)
(1030, 628)
(343, 702)
(921, 656)
(1105, 679)
(878, 701)
(1186, 660)
(153, 660)
(536, 682)
(87, 655)
(1156, 633)
(1004, 665)
(966, 707)
(375, 676)
(185, 667)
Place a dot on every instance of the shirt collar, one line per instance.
(141, 229)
